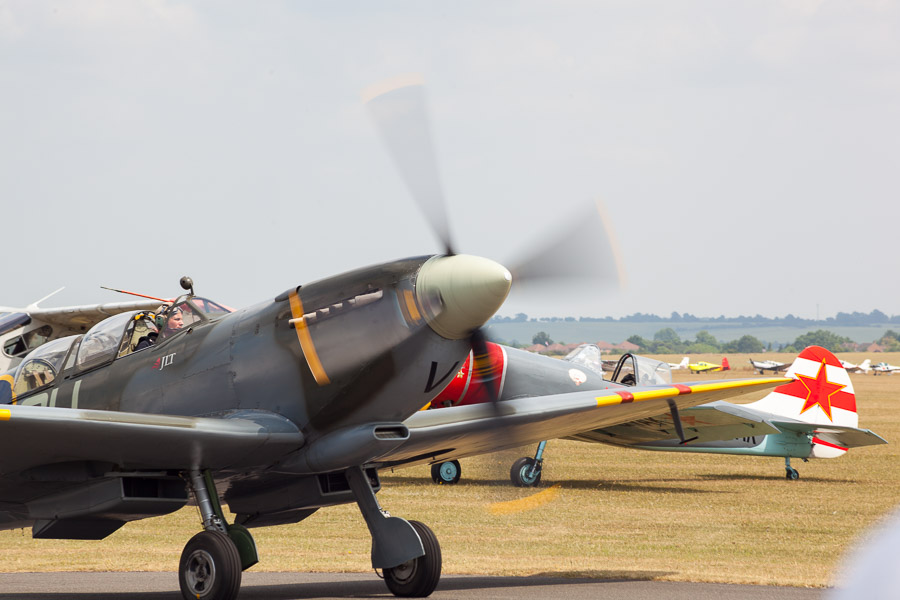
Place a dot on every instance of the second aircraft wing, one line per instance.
(461, 431)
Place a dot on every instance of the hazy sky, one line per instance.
(746, 152)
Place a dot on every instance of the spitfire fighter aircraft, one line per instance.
(813, 415)
(769, 365)
(293, 404)
(705, 367)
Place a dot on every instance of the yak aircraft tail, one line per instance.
(821, 393)
(725, 365)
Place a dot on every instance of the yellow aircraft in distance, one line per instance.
(705, 367)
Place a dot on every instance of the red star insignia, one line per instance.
(819, 391)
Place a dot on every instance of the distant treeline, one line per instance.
(667, 341)
(876, 317)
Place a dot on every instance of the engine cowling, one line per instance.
(474, 385)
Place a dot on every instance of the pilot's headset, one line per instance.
(162, 317)
(153, 317)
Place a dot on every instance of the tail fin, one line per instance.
(725, 365)
(865, 366)
(821, 391)
(684, 363)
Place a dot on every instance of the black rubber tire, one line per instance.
(418, 577)
(518, 473)
(210, 568)
(446, 473)
(792, 474)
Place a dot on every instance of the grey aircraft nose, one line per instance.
(461, 292)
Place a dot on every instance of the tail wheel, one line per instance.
(418, 577)
(522, 475)
(447, 473)
(210, 568)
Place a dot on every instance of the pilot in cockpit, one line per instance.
(174, 323)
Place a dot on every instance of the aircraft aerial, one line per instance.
(863, 367)
(705, 367)
(883, 367)
(293, 404)
(812, 415)
(769, 365)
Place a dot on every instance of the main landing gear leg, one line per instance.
(526, 472)
(789, 471)
(212, 561)
(407, 552)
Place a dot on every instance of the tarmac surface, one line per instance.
(323, 586)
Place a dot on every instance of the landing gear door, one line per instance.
(640, 370)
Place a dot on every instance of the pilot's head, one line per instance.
(175, 320)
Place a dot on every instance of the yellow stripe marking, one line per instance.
(5, 414)
(696, 388)
(527, 503)
(306, 343)
(731, 385)
(414, 313)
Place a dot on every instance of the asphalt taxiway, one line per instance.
(323, 586)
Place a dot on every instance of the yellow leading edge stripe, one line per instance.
(309, 349)
(5, 414)
(696, 388)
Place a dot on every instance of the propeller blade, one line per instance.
(398, 107)
(584, 250)
(483, 367)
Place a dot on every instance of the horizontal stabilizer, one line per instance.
(846, 437)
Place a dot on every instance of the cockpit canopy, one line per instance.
(640, 370)
(111, 338)
(42, 365)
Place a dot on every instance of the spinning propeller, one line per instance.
(585, 250)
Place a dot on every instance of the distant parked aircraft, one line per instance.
(883, 367)
(768, 365)
(863, 367)
(705, 367)
(682, 365)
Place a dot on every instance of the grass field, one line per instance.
(601, 512)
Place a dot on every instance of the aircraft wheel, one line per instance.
(447, 473)
(210, 568)
(418, 577)
(792, 474)
(521, 474)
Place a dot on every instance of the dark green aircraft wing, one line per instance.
(36, 436)
(456, 432)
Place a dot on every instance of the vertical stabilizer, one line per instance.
(821, 391)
